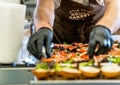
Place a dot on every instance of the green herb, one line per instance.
(67, 61)
(42, 66)
(65, 43)
(57, 67)
(114, 59)
(84, 64)
(89, 63)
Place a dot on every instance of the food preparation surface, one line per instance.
(76, 82)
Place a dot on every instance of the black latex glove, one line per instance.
(42, 37)
(99, 37)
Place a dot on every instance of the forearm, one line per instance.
(44, 14)
(111, 17)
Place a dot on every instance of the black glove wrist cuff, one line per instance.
(103, 27)
(45, 28)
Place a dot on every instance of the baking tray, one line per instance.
(75, 82)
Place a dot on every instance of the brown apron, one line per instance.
(74, 21)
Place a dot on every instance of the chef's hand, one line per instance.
(43, 37)
(101, 38)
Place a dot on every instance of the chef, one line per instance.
(85, 21)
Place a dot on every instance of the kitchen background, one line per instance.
(23, 76)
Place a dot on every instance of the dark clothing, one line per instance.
(74, 21)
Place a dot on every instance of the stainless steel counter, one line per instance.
(76, 82)
(15, 75)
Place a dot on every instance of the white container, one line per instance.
(12, 1)
(12, 18)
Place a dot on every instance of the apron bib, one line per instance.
(74, 21)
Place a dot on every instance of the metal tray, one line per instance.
(75, 82)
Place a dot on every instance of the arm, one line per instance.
(44, 14)
(101, 35)
(43, 21)
(111, 17)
